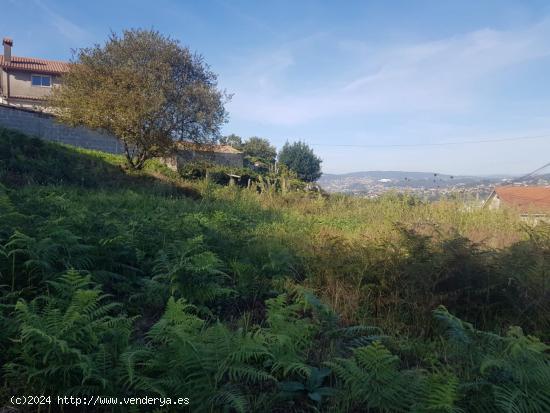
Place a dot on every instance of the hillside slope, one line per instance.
(130, 284)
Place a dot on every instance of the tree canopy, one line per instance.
(232, 140)
(144, 88)
(299, 157)
(259, 149)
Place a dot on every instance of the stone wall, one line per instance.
(227, 159)
(44, 126)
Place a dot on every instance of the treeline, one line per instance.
(260, 155)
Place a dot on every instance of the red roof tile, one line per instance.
(31, 64)
(525, 198)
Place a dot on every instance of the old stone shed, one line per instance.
(187, 152)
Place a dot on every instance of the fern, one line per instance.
(221, 289)
(439, 393)
(184, 356)
(371, 378)
(67, 343)
(514, 369)
(289, 335)
(191, 271)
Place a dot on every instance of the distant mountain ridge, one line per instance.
(365, 180)
(391, 175)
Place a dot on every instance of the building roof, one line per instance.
(190, 146)
(31, 64)
(525, 198)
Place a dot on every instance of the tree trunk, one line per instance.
(141, 158)
(135, 161)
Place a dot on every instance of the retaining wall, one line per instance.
(44, 126)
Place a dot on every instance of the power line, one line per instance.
(408, 145)
(521, 178)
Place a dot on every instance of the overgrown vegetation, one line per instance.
(125, 283)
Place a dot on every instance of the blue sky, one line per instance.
(347, 73)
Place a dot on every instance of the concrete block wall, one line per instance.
(44, 126)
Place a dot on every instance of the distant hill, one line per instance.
(398, 175)
(359, 181)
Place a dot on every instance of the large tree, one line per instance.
(144, 88)
(299, 157)
(259, 149)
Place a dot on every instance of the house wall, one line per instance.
(43, 125)
(20, 85)
(3, 84)
(534, 219)
(494, 202)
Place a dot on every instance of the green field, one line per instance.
(133, 284)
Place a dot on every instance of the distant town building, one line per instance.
(531, 202)
(27, 81)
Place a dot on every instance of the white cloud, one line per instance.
(438, 76)
(64, 26)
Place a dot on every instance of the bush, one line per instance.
(299, 158)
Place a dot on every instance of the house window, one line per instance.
(41, 80)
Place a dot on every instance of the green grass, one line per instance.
(125, 283)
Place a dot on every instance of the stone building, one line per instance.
(187, 152)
